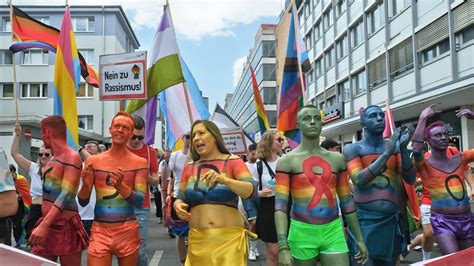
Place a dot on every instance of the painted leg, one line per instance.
(447, 243)
(129, 260)
(182, 249)
(465, 243)
(100, 261)
(272, 254)
(310, 262)
(51, 258)
(71, 259)
(334, 259)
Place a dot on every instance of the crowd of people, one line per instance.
(312, 203)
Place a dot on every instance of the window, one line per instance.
(34, 90)
(272, 118)
(467, 34)
(401, 58)
(83, 24)
(88, 55)
(357, 36)
(376, 18)
(269, 71)
(306, 9)
(377, 71)
(6, 57)
(435, 51)
(6, 90)
(6, 25)
(315, 3)
(358, 83)
(318, 68)
(310, 76)
(329, 57)
(85, 121)
(397, 6)
(85, 90)
(34, 57)
(44, 20)
(309, 40)
(344, 91)
(328, 19)
(330, 101)
(317, 31)
(341, 46)
(269, 95)
(340, 7)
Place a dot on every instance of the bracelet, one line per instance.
(80, 149)
(283, 248)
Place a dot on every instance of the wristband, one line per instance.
(80, 149)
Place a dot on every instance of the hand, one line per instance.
(117, 178)
(181, 210)
(212, 178)
(86, 176)
(38, 235)
(405, 136)
(17, 129)
(265, 193)
(391, 144)
(465, 112)
(429, 112)
(284, 257)
(363, 254)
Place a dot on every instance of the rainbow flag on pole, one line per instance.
(67, 74)
(259, 108)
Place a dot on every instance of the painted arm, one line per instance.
(179, 205)
(465, 112)
(87, 177)
(418, 138)
(15, 150)
(282, 195)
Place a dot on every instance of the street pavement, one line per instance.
(162, 250)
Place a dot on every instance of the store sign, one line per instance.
(122, 76)
(333, 113)
(235, 141)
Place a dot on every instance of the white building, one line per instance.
(411, 53)
(98, 30)
(241, 106)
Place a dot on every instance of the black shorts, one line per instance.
(173, 211)
(266, 229)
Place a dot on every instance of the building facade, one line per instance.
(408, 53)
(241, 106)
(98, 30)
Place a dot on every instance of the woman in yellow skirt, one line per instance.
(208, 197)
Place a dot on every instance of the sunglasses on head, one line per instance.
(134, 137)
(44, 154)
(280, 139)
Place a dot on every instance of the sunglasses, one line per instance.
(187, 136)
(44, 154)
(280, 139)
(134, 137)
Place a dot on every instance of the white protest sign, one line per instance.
(235, 142)
(122, 76)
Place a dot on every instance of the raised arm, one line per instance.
(87, 177)
(282, 195)
(15, 150)
(418, 138)
(407, 167)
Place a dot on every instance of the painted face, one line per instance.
(44, 155)
(202, 140)
(374, 120)
(136, 141)
(278, 141)
(121, 129)
(309, 122)
(46, 136)
(439, 138)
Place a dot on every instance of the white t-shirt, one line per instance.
(164, 170)
(87, 212)
(36, 185)
(250, 166)
(267, 181)
(176, 165)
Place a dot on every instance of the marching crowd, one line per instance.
(309, 204)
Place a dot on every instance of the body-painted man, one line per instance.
(443, 178)
(59, 233)
(374, 166)
(314, 176)
(119, 178)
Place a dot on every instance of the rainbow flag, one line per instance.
(259, 108)
(66, 80)
(27, 29)
(291, 91)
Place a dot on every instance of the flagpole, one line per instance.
(300, 70)
(185, 88)
(14, 64)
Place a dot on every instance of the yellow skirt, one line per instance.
(218, 246)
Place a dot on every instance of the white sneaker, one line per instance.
(256, 252)
(252, 255)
